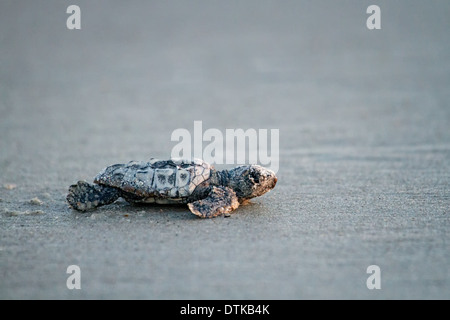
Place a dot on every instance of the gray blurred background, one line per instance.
(364, 123)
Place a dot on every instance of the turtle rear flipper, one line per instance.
(84, 196)
(220, 200)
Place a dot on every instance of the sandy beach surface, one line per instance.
(364, 147)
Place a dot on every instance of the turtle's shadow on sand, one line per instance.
(123, 209)
(175, 212)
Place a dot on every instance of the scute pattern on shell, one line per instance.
(173, 179)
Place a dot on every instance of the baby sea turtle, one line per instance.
(206, 191)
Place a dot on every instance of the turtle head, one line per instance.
(251, 181)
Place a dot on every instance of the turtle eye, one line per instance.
(254, 176)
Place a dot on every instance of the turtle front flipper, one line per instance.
(84, 196)
(220, 200)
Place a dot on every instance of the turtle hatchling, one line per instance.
(206, 191)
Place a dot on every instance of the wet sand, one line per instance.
(363, 118)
